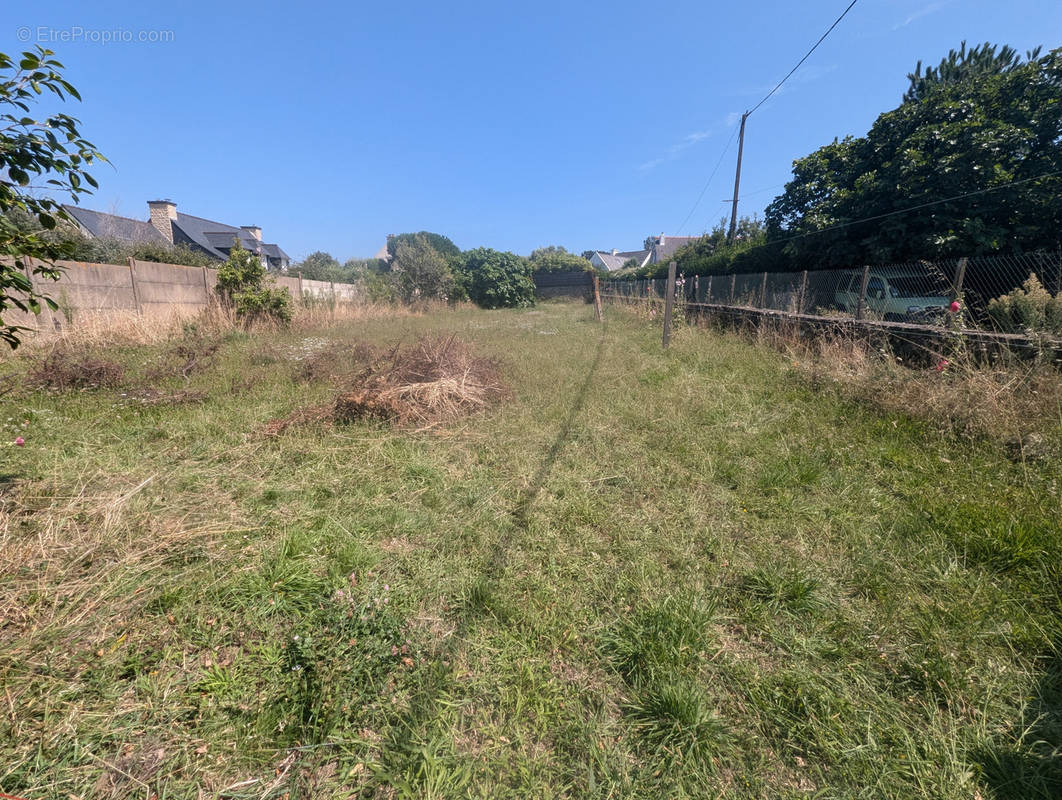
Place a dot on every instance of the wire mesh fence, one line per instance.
(1008, 294)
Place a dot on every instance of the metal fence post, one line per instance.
(803, 292)
(696, 288)
(763, 291)
(733, 282)
(708, 291)
(861, 305)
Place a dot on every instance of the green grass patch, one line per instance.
(644, 574)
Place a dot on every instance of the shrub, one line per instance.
(497, 280)
(1029, 307)
(420, 272)
(242, 286)
(66, 369)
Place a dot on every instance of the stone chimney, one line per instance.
(254, 230)
(662, 238)
(615, 252)
(163, 215)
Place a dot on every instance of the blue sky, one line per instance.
(588, 125)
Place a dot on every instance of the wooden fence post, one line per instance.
(802, 293)
(708, 291)
(597, 299)
(302, 297)
(861, 304)
(136, 291)
(733, 283)
(206, 288)
(763, 291)
(669, 303)
(960, 276)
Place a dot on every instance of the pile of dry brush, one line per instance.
(435, 380)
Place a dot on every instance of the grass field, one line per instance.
(699, 573)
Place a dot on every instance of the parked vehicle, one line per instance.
(898, 294)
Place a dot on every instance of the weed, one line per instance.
(65, 369)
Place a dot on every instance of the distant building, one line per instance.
(663, 248)
(168, 226)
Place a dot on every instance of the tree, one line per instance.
(51, 151)
(497, 280)
(961, 65)
(242, 286)
(439, 243)
(318, 266)
(975, 147)
(557, 259)
(421, 272)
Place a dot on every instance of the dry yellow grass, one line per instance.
(95, 329)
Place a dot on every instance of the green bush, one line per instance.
(420, 272)
(1028, 308)
(557, 259)
(242, 286)
(493, 279)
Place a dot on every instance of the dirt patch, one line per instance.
(183, 359)
(436, 380)
(66, 369)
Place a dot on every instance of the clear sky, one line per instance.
(583, 124)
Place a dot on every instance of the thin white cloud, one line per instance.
(925, 11)
(675, 150)
(801, 77)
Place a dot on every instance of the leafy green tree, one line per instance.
(980, 144)
(35, 153)
(421, 272)
(557, 259)
(493, 279)
(713, 253)
(439, 243)
(319, 266)
(961, 65)
(243, 286)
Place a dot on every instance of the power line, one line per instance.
(805, 58)
(708, 182)
(912, 208)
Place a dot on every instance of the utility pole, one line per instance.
(737, 178)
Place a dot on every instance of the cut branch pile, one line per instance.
(436, 380)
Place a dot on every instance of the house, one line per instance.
(167, 226)
(663, 248)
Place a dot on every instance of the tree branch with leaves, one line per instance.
(36, 155)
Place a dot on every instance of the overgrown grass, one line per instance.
(696, 573)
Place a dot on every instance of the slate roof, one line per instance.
(615, 262)
(662, 252)
(213, 238)
(216, 237)
(111, 226)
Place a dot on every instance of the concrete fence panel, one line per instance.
(145, 287)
